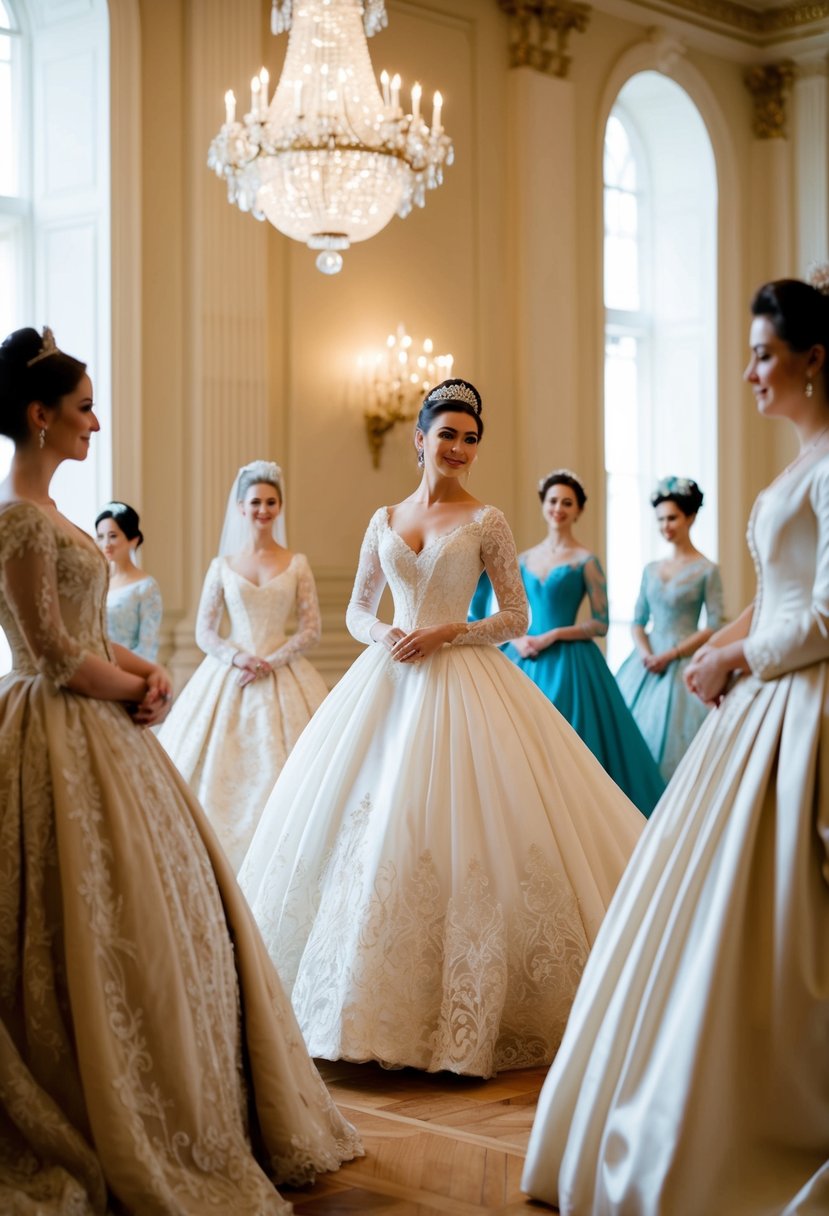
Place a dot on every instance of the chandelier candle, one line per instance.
(330, 158)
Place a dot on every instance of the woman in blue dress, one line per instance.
(133, 597)
(673, 593)
(561, 657)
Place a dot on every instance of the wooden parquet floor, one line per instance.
(436, 1145)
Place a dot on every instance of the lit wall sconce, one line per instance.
(394, 382)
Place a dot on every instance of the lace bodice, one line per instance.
(674, 605)
(435, 586)
(134, 617)
(788, 536)
(259, 615)
(52, 594)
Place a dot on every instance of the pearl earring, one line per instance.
(41, 439)
(810, 388)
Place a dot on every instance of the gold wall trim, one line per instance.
(541, 32)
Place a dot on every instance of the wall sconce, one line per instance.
(394, 382)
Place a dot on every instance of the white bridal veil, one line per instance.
(235, 533)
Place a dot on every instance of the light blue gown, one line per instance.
(134, 617)
(668, 715)
(576, 678)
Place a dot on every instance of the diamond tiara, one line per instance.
(455, 392)
(48, 347)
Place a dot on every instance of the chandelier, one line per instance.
(392, 385)
(332, 156)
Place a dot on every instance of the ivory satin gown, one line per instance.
(149, 1060)
(694, 1073)
(436, 857)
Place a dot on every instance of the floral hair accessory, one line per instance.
(818, 276)
(48, 347)
(676, 485)
(454, 392)
(551, 477)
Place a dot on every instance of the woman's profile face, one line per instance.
(777, 374)
(261, 505)
(71, 425)
(673, 523)
(451, 444)
(112, 541)
(560, 505)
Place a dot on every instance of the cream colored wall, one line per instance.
(248, 351)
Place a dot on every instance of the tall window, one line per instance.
(660, 326)
(15, 185)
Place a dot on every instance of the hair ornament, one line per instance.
(48, 347)
(267, 471)
(817, 276)
(675, 485)
(117, 508)
(551, 478)
(454, 392)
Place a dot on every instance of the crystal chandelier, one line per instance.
(392, 385)
(332, 157)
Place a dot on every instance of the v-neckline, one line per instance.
(260, 586)
(433, 539)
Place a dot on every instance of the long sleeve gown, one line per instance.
(694, 1073)
(149, 1060)
(440, 848)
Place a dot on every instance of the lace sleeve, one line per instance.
(149, 622)
(308, 625)
(28, 576)
(642, 611)
(714, 607)
(209, 618)
(596, 584)
(361, 614)
(501, 564)
(791, 642)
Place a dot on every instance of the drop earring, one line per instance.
(41, 439)
(420, 458)
(810, 388)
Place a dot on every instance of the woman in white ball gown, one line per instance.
(439, 851)
(694, 1074)
(149, 1060)
(234, 724)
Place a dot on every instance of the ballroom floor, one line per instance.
(434, 1144)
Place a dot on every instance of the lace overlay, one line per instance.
(216, 729)
(134, 617)
(130, 972)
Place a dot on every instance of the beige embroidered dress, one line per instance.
(228, 742)
(149, 1061)
(438, 853)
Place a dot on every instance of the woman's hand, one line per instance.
(390, 636)
(656, 663)
(421, 643)
(707, 674)
(157, 700)
(526, 646)
(250, 666)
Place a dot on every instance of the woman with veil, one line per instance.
(232, 728)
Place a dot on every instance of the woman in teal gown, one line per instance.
(671, 599)
(561, 657)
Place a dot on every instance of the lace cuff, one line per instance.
(501, 564)
(209, 617)
(28, 571)
(309, 627)
(361, 614)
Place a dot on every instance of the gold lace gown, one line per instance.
(149, 1060)
(228, 742)
(694, 1074)
(440, 848)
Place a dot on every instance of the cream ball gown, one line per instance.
(437, 855)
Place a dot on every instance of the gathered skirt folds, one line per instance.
(694, 1074)
(434, 863)
(149, 1060)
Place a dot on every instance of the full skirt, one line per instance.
(434, 863)
(149, 1059)
(667, 714)
(694, 1073)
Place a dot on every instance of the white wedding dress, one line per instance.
(436, 857)
(694, 1074)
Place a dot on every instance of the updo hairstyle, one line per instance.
(257, 477)
(799, 313)
(451, 397)
(125, 516)
(24, 378)
(682, 491)
(563, 477)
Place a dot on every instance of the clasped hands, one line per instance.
(250, 667)
(707, 674)
(156, 702)
(419, 644)
(530, 647)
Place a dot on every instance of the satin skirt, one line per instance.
(694, 1072)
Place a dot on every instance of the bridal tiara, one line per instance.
(48, 347)
(454, 392)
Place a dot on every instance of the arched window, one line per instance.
(660, 406)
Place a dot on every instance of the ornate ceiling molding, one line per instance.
(541, 31)
(781, 19)
(770, 86)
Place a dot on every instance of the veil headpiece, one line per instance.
(235, 532)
